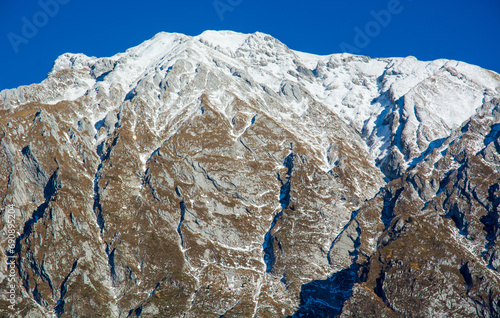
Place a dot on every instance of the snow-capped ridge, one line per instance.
(395, 103)
(229, 40)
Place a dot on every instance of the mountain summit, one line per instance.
(226, 175)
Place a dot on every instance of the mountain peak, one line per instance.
(226, 174)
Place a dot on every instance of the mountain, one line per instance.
(226, 175)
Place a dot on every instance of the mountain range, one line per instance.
(226, 175)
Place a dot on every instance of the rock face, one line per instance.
(226, 175)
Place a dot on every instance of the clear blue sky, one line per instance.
(460, 29)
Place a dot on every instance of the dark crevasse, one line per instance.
(284, 200)
(326, 298)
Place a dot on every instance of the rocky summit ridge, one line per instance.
(226, 175)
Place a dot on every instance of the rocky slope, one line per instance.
(227, 175)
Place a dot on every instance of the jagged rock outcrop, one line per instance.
(227, 175)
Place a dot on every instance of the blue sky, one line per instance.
(34, 33)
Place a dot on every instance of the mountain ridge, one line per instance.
(225, 174)
(362, 117)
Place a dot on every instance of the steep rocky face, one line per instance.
(445, 211)
(227, 175)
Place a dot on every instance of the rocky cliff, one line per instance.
(226, 175)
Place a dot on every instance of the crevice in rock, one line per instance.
(268, 246)
(493, 135)
(191, 303)
(182, 207)
(103, 156)
(137, 311)
(399, 107)
(491, 226)
(130, 95)
(284, 200)
(458, 217)
(111, 262)
(97, 207)
(328, 255)
(224, 314)
(154, 289)
(379, 288)
(182, 210)
(37, 296)
(98, 125)
(450, 204)
(206, 175)
(32, 166)
(432, 145)
(387, 214)
(148, 180)
(59, 309)
(50, 194)
(465, 272)
(326, 298)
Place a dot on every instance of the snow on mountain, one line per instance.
(400, 105)
(226, 173)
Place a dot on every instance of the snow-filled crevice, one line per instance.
(398, 138)
(59, 309)
(377, 131)
(284, 200)
(326, 298)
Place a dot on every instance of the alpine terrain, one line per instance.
(226, 175)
